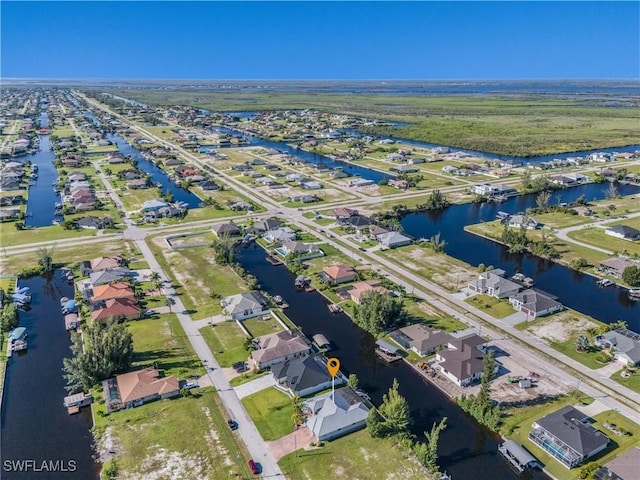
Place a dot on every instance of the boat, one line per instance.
(604, 282)
(280, 302)
(309, 288)
(634, 293)
(334, 308)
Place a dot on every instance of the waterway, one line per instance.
(574, 289)
(35, 425)
(466, 449)
(158, 175)
(40, 210)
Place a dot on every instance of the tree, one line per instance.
(395, 412)
(378, 311)
(427, 452)
(631, 275)
(375, 424)
(353, 381)
(169, 302)
(8, 317)
(437, 243)
(582, 343)
(45, 259)
(612, 191)
(526, 179)
(298, 415)
(543, 199)
(97, 354)
(224, 249)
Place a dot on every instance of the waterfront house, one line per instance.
(71, 321)
(420, 338)
(622, 467)
(137, 184)
(337, 273)
(535, 303)
(462, 360)
(494, 284)
(304, 376)
(137, 388)
(266, 225)
(335, 414)
(624, 232)
(278, 347)
(103, 277)
(245, 305)
(105, 292)
(304, 251)
(356, 221)
(359, 289)
(393, 239)
(9, 214)
(567, 436)
(623, 343)
(280, 235)
(615, 266)
(527, 221)
(228, 229)
(103, 263)
(403, 169)
(153, 205)
(117, 309)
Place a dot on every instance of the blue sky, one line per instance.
(317, 40)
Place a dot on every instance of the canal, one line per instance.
(466, 450)
(575, 289)
(157, 174)
(40, 210)
(35, 425)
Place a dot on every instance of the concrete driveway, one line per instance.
(301, 438)
(254, 386)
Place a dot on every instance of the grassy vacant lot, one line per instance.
(597, 237)
(271, 411)
(196, 276)
(8, 285)
(227, 342)
(494, 307)
(148, 446)
(258, 327)
(509, 125)
(357, 457)
(568, 348)
(9, 235)
(161, 342)
(633, 382)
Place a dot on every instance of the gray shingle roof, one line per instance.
(566, 425)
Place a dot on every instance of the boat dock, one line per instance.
(517, 456)
(387, 352)
(273, 260)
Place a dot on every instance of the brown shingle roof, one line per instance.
(143, 383)
(338, 271)
(112, 290)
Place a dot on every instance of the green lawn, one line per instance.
(190, 431)
(493, 306)
(8, 285)
(161, 341)
(597, 237)
(633, 382)
(9, 235)
(271, 410)
(226, 341)
(568, 348)
(357, 456)
(258, 327)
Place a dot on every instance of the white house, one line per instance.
(393, 240)
(494, 284)
(244, 305)
(335, 415)
(462, 362)
(624, 232)
(277, 348)
(534, 303)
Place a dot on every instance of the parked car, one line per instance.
(253, 467)
(190, 385)
(233, 425)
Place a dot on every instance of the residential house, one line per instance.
(623, 343)
(103, 277)
(304, 376)
(404, 169)
(103, 263)
(335, 414)
(280, 235)
(136, 388)
(393, 240)
(245, 305)
(265, 225)
(108, 291)
(343, 213)
(9, 214)
(375, 230)
(527, 221)
(277, 348)
(356, 221)
(615, 266)
(494, 284)
(304, 250)
(567, 436)
(117, 309)
(624, 232)
(622, 467)
(138, 184)
(209, 185)
(359, 289)
(338, 273)
(462, 362)
(153, 205)
(91, 223)
(535, 303)
(311, 185)
(228, 229)
(241, 206)
(304, 198)
(422, 339)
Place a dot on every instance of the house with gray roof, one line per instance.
(624, 232)
(615, 265)
(245, 305)
(305, 250)
(462, 360)
(104, 277)
(494, 284)
(228, 229)
(277, 348)
(535, 303)
(421, 339)
(266, 225)
(393, 240)
(624, 344)
(567, 436)
(336, 414)
(153, 205)
(304, 376)
(280, 235)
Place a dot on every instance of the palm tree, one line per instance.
(169, 302)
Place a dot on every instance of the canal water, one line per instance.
(157, 174)
(574, 289)
(466, 450)
(40, 210)
(35, 425)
